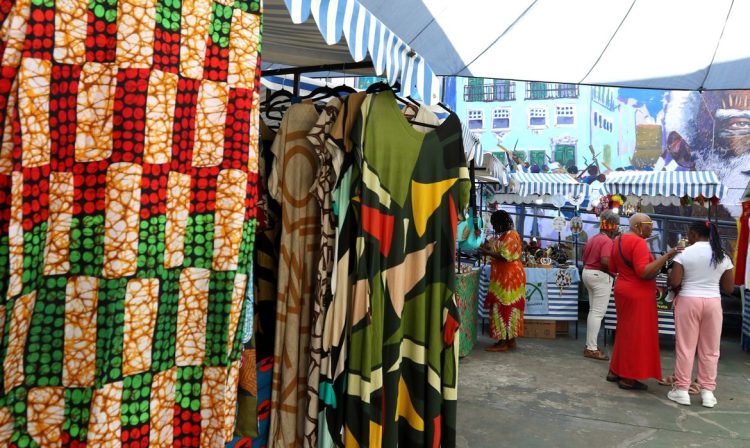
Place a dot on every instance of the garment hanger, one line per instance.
(319, 93)
(344, 89)
(279, 96)
(445, 107)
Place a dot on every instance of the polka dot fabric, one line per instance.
(128, 182)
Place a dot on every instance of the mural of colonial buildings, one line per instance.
(545, 122)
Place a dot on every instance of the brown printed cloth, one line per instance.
(292, 176)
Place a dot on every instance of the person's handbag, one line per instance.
(470, 232)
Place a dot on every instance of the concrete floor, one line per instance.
(546, 394)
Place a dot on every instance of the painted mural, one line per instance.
(551, 124)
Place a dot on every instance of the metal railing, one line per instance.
(550, 90)
(488, 93)
(667, 228)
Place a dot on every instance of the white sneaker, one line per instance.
(679, 396)
(709, 400)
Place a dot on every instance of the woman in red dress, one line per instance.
(636, 352)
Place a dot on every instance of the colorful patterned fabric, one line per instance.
(128, 168)
(505, 299)
(467, 292)
(322, 188)
(403, 356)
(261, 414)
(291, 179)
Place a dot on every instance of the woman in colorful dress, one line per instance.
(507, 292)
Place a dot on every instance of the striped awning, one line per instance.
(365, 34)
(543, 184)
(674, 184)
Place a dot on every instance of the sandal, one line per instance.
(595, 354)
(666, 381)
(498, 347)
(631, 385)
(694, 389)
(612, 378)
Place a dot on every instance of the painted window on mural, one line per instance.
(521, 155)
(537, 117)
(501, 118)
(566, 115)
(504, 90)
(565, 155)
(537, 157)
(476, 119)
(474, 91)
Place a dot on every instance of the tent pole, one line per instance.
(297, 78)
(318, 68)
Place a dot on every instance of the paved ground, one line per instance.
(546, 394)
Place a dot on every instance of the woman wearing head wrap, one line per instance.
(597, 280)
(506, 296)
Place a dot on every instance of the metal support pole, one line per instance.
(297, 79)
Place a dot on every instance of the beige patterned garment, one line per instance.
(295, 166)
(323, 190)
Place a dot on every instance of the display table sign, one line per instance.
(551, 294)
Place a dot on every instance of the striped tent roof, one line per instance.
(665, 183)
(365, 36)
(543, 184)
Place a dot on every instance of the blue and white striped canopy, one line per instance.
(543, 184)
(365, 34)
(665, 183)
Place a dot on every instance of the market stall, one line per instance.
(665, 187)
(638, 188)
(551, 284)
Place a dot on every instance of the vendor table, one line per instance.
(561, 304)
(467, 290)
(666, 317)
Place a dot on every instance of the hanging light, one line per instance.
(539, 201)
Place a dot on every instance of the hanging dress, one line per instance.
(507, 291)
(292, 177)
(403, 357)
(322, 189)
(127, 174)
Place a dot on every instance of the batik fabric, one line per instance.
(127, 181)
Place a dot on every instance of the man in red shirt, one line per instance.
(597, 280)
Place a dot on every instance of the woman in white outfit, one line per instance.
(699, 275)
(597, 280)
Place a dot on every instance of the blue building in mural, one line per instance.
(548, 122)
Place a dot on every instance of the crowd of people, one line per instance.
(697, 276)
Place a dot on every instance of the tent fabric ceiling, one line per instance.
(291, 39)
(665, 44)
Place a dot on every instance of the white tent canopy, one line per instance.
(305, 33)
(530, 188)
(664, 187)
(666, 44)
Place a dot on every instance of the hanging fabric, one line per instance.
(403, 359)
(127, 173)
(291, 178)
(322, 189)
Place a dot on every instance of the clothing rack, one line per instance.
(299, 71)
